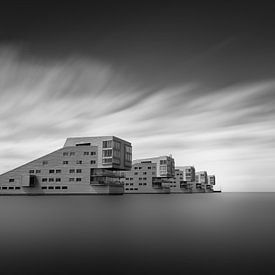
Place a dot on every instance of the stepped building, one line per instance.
(150, 175)
(86, 165)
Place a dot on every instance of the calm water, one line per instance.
(229, 233)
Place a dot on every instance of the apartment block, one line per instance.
(84, 165)
(202, 181)
(178, 184)
(150, 175)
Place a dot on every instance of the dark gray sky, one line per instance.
(196, 80)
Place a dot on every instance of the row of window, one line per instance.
(65, 154)
(144, 173)
(133, 179)
(57, 171)
(140, 167)
(10, 187)
(51, 179)
(59, 179)
(131, 189)
(45, 162)
(54, 187)
(138, 184)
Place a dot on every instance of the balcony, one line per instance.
(160, 183)
(104, 180)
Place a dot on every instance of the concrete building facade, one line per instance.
(86, 165)
(202, 181)
(150, 175)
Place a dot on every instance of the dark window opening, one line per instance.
(83, 144)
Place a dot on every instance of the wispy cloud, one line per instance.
(228, 131)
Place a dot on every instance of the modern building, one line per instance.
(178, 184)
(211, 179)
(202, 182)
(85, 165)
(150, 175)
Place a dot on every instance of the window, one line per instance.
(139, 167)
(140, 183)
(144, 173)
(51, 171)
(107, 144)
(127, 183)
(58, 179)
(144, 183)
(78, 171)
(128, 153)
(71, 179)
(11, 187)
(135, 173)
(163, 161)
(107, 160)
(117, 145)
(127, 189)
(31, 171)
(131, 188)
(51, 179)
(65, 162)
(45, 162)
(144, 178)
(131, 178)
(131, 184)
(44, 179)
(4, 187)
(136, 188)
(117, 154)
(72, 153)
(71, 171)
(11, 180)
(78, 179)
(86, 153)
(65, 154)
(38, 171)
(17, 187)
(50, 187)
(57, 187)
(149, 167)
(136, 167)
(83, 144)
(93, 153)
(58, 171)
(107, 153)
(44, 187)
(64, 187)
(140, 178)
(128, 149)
(93, 162)
(79, 162)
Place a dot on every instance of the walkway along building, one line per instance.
(86, 165)
(150, 175)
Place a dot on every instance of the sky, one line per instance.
(195, 81)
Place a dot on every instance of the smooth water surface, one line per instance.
(227, 233)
